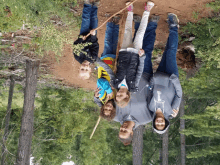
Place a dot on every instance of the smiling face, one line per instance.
(85, 70)
(159, 120)
(108, 107)
(122, 94)
(159, 123)
(126, 129)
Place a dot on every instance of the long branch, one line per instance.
(112, 16)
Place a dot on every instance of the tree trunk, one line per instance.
(182, 136)
(7, 118)
(165, 148)
(137, 145)
(26, 131)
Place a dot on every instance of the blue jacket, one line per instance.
(105, 87)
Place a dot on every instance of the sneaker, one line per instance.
(130, 8)
(96, 3)
(148, 6)
(172, 20)
(155, 18)
(137, 18)
(116, 19)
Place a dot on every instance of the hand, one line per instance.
(84, 38)
(97, 92)
(175, 112)
(141, 52)
(93, 32)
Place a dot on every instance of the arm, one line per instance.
(78, 41)
(94, 50)
(178, 92)
(97, 101)
(139, 70)
(80, 59)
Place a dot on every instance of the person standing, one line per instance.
(165, 85)
(136, 112)
(89, 45)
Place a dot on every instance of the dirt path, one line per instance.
(187, 11)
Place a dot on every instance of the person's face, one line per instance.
(160, 123)
(108, 108)
(84, 70)
(126, 130)
(121, 94)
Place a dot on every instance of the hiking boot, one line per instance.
(155, 18)
(148, 6)
(87, 2)
(172, 20)
(130, 8)
(96, 3)
(137, 18)
(114, 19)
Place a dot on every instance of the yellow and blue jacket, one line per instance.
(104, 77)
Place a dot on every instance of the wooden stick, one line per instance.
(95, 127)
(112, 16)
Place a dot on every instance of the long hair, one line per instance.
(113, 112)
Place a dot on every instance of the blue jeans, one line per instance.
(111, 39)
(89, 19)
(168, 63)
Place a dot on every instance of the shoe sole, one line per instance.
(173, 15)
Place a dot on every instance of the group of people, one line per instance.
(134, 95)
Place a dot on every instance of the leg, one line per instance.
(127, 40)
(115, 38)
(94, 18)
(86, 19)
(136, 26)
(168, 63)
(138, 41)
(148, 46)
(172, 45)
(108, 47)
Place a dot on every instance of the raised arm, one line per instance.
(139, 70)
(178, 92)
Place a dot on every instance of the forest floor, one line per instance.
(187, 11)
(66, 70)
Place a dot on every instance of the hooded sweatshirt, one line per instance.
(166, 94)
(137, 109)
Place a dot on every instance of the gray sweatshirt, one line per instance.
(137, 109)
(166, 94)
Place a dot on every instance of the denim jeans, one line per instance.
(168, 62)
(89, 19)
(111, 39)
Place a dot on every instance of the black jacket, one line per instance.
(91, 50)
(127, 66)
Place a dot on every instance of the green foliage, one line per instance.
(214, 5)
(40, 16)
(77, 49)
(202, 132)
(205, 152)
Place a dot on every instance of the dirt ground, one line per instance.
(187, 11)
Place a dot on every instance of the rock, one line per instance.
(191, 38)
